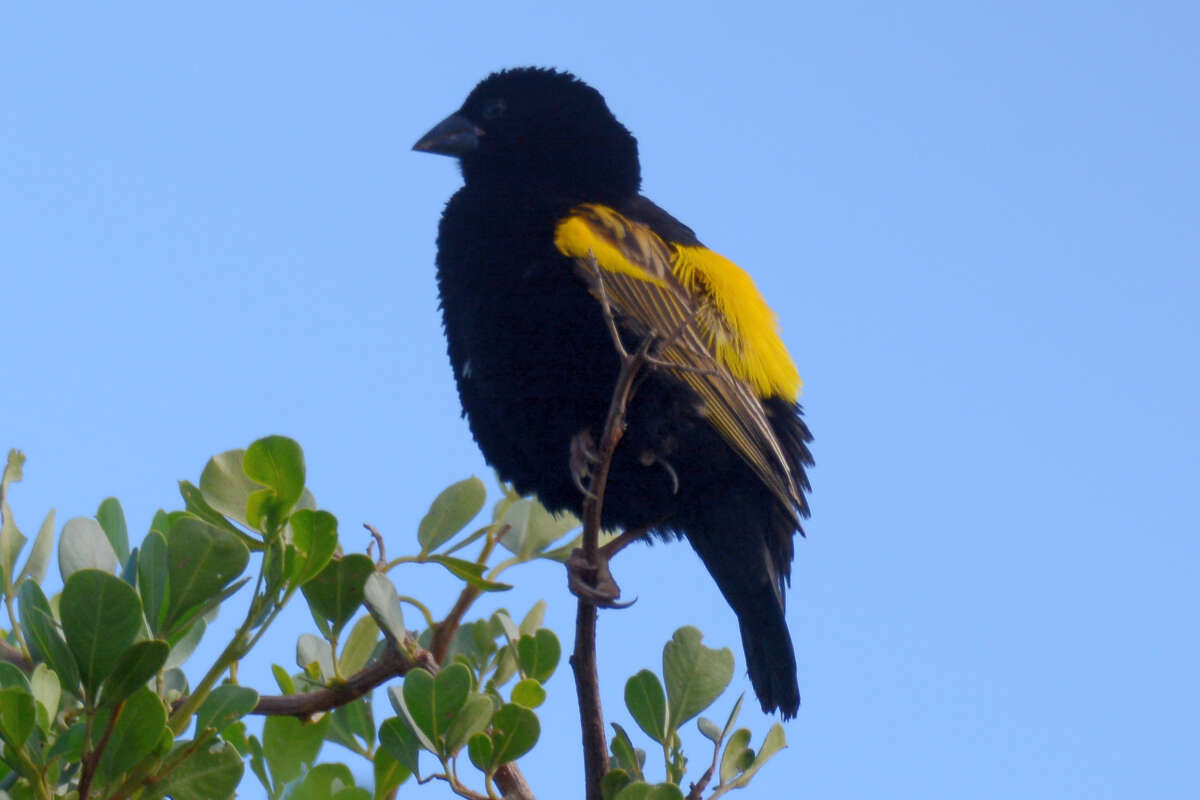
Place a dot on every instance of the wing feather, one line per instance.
(652, 286)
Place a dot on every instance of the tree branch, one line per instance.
(583, 659)
(392, 663)
(15, 657)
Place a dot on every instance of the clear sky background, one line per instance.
(978, 224)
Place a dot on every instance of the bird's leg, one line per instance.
(650, 458)
(594, 582)
(583, 456)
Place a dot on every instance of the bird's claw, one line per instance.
(593, 582)
(583, 456)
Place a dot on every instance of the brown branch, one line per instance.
(583, 659)
(698, 786)
(512, 782)
(92, 760)
(392, 663)
(443, 634)
(15, 657)
(378, 540)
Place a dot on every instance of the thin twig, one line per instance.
(394, 662)
(15, 657)
(379, 540)
(92, 760)
(443, 634)
(583, 660)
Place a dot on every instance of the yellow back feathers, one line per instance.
(737, 326)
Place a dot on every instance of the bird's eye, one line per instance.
(494, 108)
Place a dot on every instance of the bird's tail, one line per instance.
(748, 574)
(770, 658)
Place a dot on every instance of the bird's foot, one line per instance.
(593, 582)
(649, 458)
(583, 456)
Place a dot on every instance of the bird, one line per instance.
(548, 258)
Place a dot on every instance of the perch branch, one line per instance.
(583, 659)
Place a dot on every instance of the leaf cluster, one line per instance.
(101, 695)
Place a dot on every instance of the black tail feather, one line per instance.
(731, 539)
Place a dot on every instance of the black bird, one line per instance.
(549, 221)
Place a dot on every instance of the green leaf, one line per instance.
(646, 702)
(17, 716)
(291, 746)
(277, 462)
(101, 616)
(637, 790)
(152, 579)
(185, 644)
(11, 539)
(504, 622)
(533, 620)
(527, 528)
(326, 782)
(197, 506)
(451, 511)
(644, 791)
(111, 517)
(389, 773)
(175, 684)
(14, 470)
(359, 646)
(709, 730)
(400, 742)
(43, 637)
(39, 555)
(515, 731)
(47, 691)
(539, 654)
(12, 676)
(337, 591)
(68, 745)
(139, 727)
(529, 693)
(201, 561)
(225, 486)
(695, 675)
(479, 750)
(737, 755)
(225, 705)
(383, 601)
(352, 722)
(211, 773)
(258, 764)
(471, 719)
(470, 572)
(613, 782)
(625, 755)
(83, 545)
(161, 522)
(315, 535)
(433, 701)
(774, 742)
(133, 669)
(283, 679)
(314, 651)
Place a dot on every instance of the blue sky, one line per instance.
(978, 225)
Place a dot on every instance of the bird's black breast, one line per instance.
(531, 355)
(535, 365)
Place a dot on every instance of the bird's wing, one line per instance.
(716, 333)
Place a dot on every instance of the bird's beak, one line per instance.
(454, 136)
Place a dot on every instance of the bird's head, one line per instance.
(542, 130)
